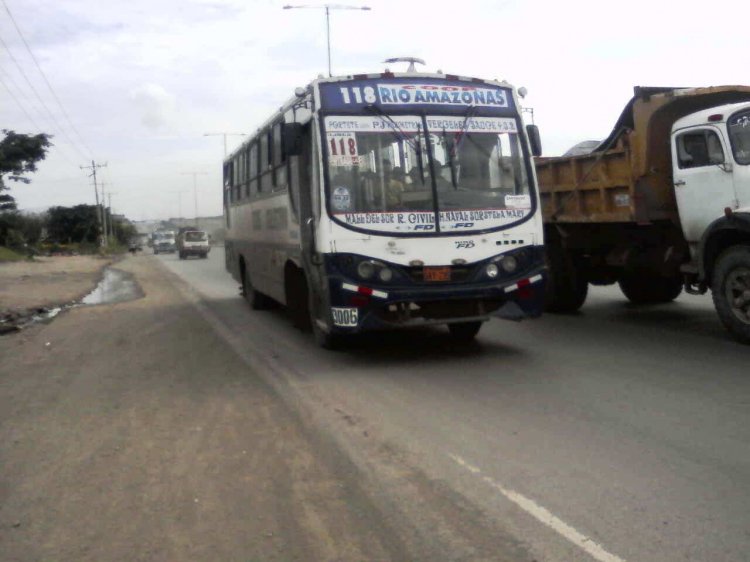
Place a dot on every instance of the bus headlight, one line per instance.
(509, 264)
(385, 274)
(491, 270)
(365, 269)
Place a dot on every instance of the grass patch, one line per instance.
(6, 254)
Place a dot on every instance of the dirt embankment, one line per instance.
(28, 286)
(132, 431)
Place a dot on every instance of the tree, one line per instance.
(19, 155)
(73, 224)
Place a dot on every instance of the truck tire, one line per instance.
(567, 287)
(647, 288)
(731, 291)
(256, 300)
(464, 332)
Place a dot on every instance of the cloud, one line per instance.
(157, 106)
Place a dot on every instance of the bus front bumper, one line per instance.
(355, 308)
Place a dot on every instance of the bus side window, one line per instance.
(264, 159)
(236, 177)
(279, 158)
(229, 180)
(253, 168)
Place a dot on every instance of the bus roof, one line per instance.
(306, 91)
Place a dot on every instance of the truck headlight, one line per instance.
(491, 270)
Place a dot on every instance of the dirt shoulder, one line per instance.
(49, 281)
(134, 432)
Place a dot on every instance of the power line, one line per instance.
(44, 76)
(33, 89)
(21, 107)
(31, 119)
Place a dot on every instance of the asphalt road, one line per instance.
(616, 434)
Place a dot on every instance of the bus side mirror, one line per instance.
(293, 139)
(534, 139)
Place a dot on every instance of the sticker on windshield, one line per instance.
(341, 199)
(424, 221)
(517, 201)
(342, 149)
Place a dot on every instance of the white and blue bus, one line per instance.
(386, 200)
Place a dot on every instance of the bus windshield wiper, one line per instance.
(397, 130)
(464, 126)
(399, 133)
(451, 159)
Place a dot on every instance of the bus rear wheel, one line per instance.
(464, 332)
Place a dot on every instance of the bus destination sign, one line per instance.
(411, 93)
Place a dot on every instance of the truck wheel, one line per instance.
(567, 288)
(181, 255)
(464, 332)
(256, 300)
(647, 288)
(731, 291)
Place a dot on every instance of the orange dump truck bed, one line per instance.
(628, 177)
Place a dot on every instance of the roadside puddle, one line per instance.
(116, 286)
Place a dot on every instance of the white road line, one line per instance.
(544, 516)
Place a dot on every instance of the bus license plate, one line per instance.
(345, 316)
(437, 273)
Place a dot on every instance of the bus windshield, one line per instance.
(398, 173)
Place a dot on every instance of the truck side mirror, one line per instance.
(292, 134)
(534, 139)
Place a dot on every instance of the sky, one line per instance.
(138, 84)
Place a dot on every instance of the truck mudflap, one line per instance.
(357, 307)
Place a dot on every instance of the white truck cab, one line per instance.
(711, 172)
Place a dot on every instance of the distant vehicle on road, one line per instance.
(662, 204)
(389, 200)
(163, 242)
(193, 242)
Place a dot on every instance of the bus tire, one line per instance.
(567, 288)
(730, 288)
(256, 300)
(464, 332)
(297, 299)
(323, 338)
(648, 288)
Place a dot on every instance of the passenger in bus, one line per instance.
(394, 184)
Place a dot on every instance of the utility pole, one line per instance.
(225, 135)
(111, 222)
(195, 190)
(100, 210)
(107, 212)
(179, 202)
(328, 8)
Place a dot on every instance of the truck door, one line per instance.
(738, 126)
(703, 180)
